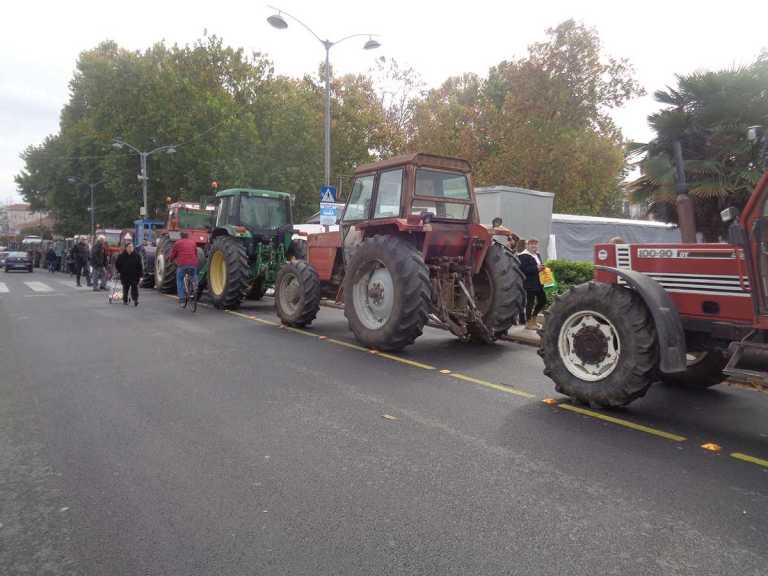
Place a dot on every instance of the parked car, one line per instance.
(3, 256)
(18, 261)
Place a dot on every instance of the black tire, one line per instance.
(165, 270)
(637, 354)
(297, 294)
(257, 289)
(706, 371)
(228, 290)
(298, 249)
(499, 294)
(411, 302)
(148, 270)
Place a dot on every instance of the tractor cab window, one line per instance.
(442, 188)
(222, 212)
(263, 213)
(388, 196)
(192, 219)
(360, 199)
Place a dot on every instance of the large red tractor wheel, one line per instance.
(228, 272)
(165, 270)
(387, 293)
(599, 345)
(499, 294)
(297, 293)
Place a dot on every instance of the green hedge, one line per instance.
(568, 273)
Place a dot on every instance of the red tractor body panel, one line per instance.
(705, 281)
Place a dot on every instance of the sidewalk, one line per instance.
(523, 335)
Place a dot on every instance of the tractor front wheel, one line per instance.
(297, 294)
(499, 294)
(227, 272)
(387, 293)
(599, 345)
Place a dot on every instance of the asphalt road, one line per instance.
(152, 441)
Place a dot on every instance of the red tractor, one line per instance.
(689, 314)
(409, 250)
(182, 217)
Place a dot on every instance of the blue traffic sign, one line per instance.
(328, 194)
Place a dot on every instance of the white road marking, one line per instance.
(3, 288)
(39, 287)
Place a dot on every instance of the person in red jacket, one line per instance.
(184, 254)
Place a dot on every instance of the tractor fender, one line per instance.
(666, 319)
(230, 230)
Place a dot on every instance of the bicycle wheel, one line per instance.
(195, 295)
(187, 285)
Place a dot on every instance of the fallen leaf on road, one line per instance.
(389, 417)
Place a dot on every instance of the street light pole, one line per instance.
(91, 186)
(327, 139)
(168, 149)
(277, 21)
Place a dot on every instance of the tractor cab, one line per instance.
(261, 215)
(146, 230)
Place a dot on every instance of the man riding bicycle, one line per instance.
(184, 254)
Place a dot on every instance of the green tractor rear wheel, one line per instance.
(228, 272)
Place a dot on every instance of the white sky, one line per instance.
(40, 42)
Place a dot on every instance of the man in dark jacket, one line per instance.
(80, 256)
(99, 261)
(128, 265)
(531, 265)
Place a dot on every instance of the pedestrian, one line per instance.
(99, 261)
(184, 254)
(128, 265)
(50, 259)
(531, 265)
(80, 257)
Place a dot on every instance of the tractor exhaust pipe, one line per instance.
(685, 214)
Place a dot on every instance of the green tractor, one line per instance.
(251, 240)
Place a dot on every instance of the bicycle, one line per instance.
(190, 291)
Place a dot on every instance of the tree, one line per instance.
(709, 113)
(539, 122)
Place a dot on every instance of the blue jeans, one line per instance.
(180, 271)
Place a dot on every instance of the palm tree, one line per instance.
(709, 113)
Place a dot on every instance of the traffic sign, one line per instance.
(327, 214)
(328, 195)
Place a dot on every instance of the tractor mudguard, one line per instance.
(231, 230)
(669, 327)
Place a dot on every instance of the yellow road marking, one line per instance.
(750, 459)
(485, 383)
(406, 361)
(250, 317)
(347, 344)
(625, 423)
(300, 331)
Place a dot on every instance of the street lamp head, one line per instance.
(277, 21)
(371, 44)
(72, 180)
(117, 145)
(171, 150)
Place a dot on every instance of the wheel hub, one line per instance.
(376, 292)
(589, 345)
(373, 295)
